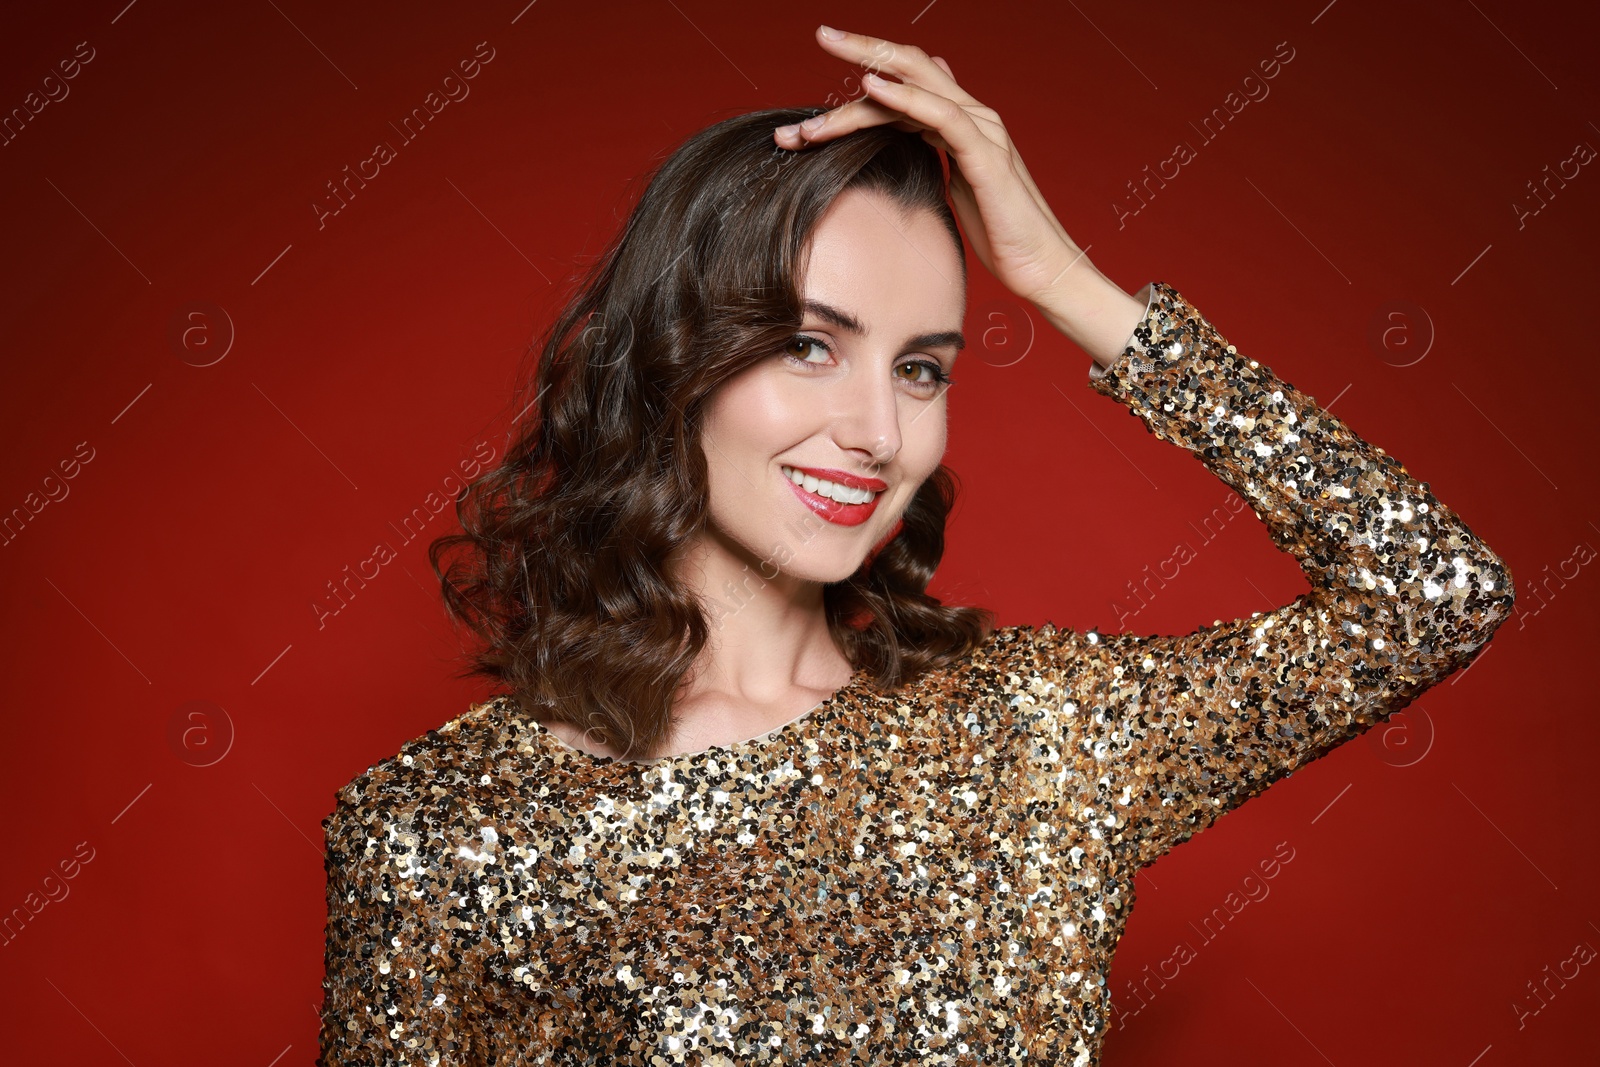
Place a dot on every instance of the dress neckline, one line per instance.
(783, 738)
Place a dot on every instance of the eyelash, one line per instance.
(939, 376)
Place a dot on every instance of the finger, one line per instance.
(856, 114)
(904, 61)
(944, 66)
(938, 113)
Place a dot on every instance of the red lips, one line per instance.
(832, 510)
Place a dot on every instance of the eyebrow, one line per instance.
(845, 321)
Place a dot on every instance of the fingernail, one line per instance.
(830, 33)
(785, 131)
(814, 123)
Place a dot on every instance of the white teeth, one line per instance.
(842, 493)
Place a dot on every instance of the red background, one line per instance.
(1436, 870)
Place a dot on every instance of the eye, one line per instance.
(936, 376)
(801, 342)
(929, 384)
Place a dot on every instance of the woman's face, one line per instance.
(857, 393)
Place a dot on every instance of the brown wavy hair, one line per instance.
(562, 571)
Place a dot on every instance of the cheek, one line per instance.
(923, 444)
(925, 440)
(747, 424)
(757, 409)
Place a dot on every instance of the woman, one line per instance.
(752, 795)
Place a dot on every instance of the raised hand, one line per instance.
(1011, 228)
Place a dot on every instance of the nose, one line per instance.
(869, 426)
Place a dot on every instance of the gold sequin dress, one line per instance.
(937, 876)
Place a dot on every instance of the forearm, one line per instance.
(1402, 594)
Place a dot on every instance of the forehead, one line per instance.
(889, 267)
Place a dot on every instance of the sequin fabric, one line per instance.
(937, 875)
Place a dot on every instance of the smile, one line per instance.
(842, 504)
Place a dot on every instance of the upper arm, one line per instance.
(393, 989)
(1177, 729)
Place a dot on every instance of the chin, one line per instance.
(824, 574)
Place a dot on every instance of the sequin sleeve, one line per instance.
(391, 993)
(1178, 729)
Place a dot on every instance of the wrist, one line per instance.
(1092, 311)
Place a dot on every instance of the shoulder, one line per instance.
(435, 854)
(1012, 669)
(439, 789)
(1030, 649)
(1006, 707)
(426, 883)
